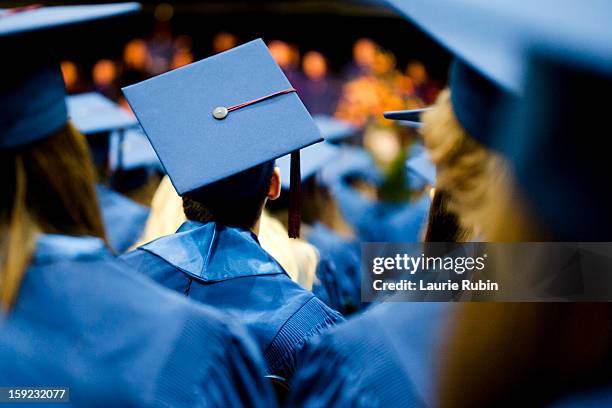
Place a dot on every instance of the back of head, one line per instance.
(467, 171)
(235, 201)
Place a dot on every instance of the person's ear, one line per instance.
(275, 185)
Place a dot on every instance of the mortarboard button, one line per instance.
(220, 112)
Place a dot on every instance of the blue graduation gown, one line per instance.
(338, 271)
(226, 267)
(124, 219)
(385, 357)
(378, 221)
(597, 398)
(83, 320)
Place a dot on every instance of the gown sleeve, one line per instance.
(326, 378)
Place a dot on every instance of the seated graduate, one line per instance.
(339, 368)
(393, 214)
(217, 126)
(296, 256)
(72, 314)
(557, 354)
(338, 270)
(97, 117)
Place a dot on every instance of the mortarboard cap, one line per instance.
(554, 141)
(132, 150)
(222, 116)
(410, 118)
(354, 162)
(312, 158)
(486, 73)
(333, 129)
(32, 92)
(94, 113)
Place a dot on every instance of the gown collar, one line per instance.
(55, 247)
(212, 252)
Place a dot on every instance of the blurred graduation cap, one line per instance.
(485, 74)
(421, 170)
(410, 118)
(93, 113)
(313, 158)
(225, 118)
(97, 117)
(132, 150)
(32, 92)
(334, 129)
(554, 139)
(352, 161)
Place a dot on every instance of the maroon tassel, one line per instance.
(295, 196)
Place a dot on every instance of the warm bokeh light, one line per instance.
(181, 57)
(417, 72)
(314, 65)
(70, 73)
(104, 72)
(281, 52)
(223, 41)
(136, 55)
(364, 52)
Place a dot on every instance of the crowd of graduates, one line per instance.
(179, 231)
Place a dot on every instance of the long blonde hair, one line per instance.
(49, 187)
(467, 172)
(500, 353)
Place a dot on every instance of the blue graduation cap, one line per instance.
(554, 139)
(410, 118)
(333, 129)
(132, 150)
(312, 158)
(352, 161)
(421, 170)
(94, 113)
(223, 116)
(32, 100)
(486, 73)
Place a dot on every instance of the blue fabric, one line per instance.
(84, 320)
(94, 113)
(312, 159)
(226, 267)
(175, 111)
(405, 223)
(124, 220)
(333, 129)
(421, 171)
(351, 162)
(338, 271)
(31, 108)
(32, 100)
(386, 357)
(45, 18)
(378, 221)
(594, 399)
(131, 150)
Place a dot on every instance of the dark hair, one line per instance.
(236, 201)
(442, 224)
(49, 187)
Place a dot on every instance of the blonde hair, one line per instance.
(469, 173)
(49, 187)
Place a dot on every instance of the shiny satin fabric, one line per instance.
(227, 268)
